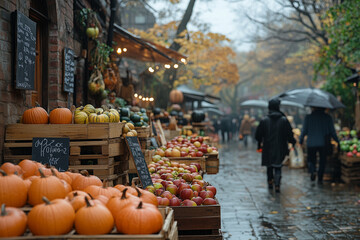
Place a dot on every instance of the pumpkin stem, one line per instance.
(140, 205)
(87, 202)
(105, 183)
(53, 172)
(37, 104)
(92, 198)
(3, 172)
(75, 194)
(42, 173)
(123, 196)
(3, 210)
(138, 192)
(47, 202)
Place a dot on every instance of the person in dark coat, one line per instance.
(318, 127)
(273, 135)
(225, 128)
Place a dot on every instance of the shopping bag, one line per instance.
(296, 157)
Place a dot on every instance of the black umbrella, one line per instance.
(312, 97)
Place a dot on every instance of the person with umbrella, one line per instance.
(319, 128)
(273, 135)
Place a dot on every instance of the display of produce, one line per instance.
(349, 143)
(178, 184)
(91, 209)
(182, 146)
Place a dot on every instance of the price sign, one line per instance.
(139, 160)
(52, 151)
(25, 51)
(69, 69)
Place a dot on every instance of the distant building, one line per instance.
(134, 15)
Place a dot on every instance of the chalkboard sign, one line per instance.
(69, 69)
(52, 151)
(154, 128)
(25, 51)
(139, 160)
(154, 142)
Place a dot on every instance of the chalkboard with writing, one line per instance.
(69, 69)
(52, 151)
(25, 51)
(138, 156)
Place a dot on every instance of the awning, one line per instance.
(196, 95)
(143, 50)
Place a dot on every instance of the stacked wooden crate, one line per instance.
(98, 148)
(350, 169)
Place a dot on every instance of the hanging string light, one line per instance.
(118, 51)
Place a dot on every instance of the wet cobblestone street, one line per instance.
(303, 209)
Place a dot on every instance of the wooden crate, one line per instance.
(168, 232)
(145, 143)
(171, 134)
(350, 169)
(212, 163)
(188, 160)
(198, 222)
(143, 132)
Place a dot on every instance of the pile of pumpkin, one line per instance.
(64, 200)
(38, 115)
(90, 114)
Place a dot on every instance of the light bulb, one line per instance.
(118, 51)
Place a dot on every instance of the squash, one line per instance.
(11, 168)
(60, 116)
(98, 118)
(81, 118)
(176, 96)
(142, 218)
(13, 190)
(93, 219)
(36, 115)
(12, 222)
(54, 217)
(84, 180)
(112, 117)
(89, 109)
(197, 116)
(28, 167)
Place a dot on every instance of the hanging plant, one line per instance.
(100, 56)
(89, 23)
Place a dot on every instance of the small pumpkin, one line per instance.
(84, 180)
(112, 117)
(75, 193)
(36, 115)
(117, 115)
(93, 219)
(60, 116)
(101, 199)
(88, 109)
(54, 217)
(109, 192)
(176, 96)
(65, 177)
(13, 190)
(11, 168)
(147, 197)
(98, 118)
(28, 167)
(81, 118)
(12, 222)
(78, 201)
(142, 218)
(49, 186)
(116, 204)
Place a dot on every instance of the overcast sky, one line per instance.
(225, 17)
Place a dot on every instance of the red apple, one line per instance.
(188, 203)
(186, 194)
(158, 186)
(175, 201)
(172, 188)
(203, 149)
(177, 182)
(150, 188)
(167, 195)
(168, 152)
(160, 152)
(196, 193)
(192, 169)
(182, 187)
(163, 201)
(182, 154)
(206, 194)
(197, 200)
(192, 154)
(159, 191)
(188, 177)
(200, 139)
(198, 166)
(211, 188)
(199, 154)
(199, 177)
(196, 187)
(209, 201)
(175, 153)
(200, 182)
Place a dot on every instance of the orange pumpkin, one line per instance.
(78, 201)
(176, 96)
(147, 197)
(12, 222)
(109, 192)
(10, 168)
(142, 218)
(60, 116)
(36, 115)
(93, 219)
(84, 180)
(28, 167)
(116, 204)
(49, 186)
(101, 199)
(65, 177)
(13, 190)
(51, 218)
(75, 193)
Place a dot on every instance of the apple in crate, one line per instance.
(150, 188)
(177, 182)
(209, 201)
(188, 203)
(159, 191)
(196, 187)
(198, 166)
(188, 177)
(172, 188)
(167, 195)
(197, 200)
(211, 188)
(206, 194)
(175, 201)
(163, 201)
(186, 193)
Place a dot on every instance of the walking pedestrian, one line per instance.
(225, 129)
(319, 129)
(245, 129)
(273, 135)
